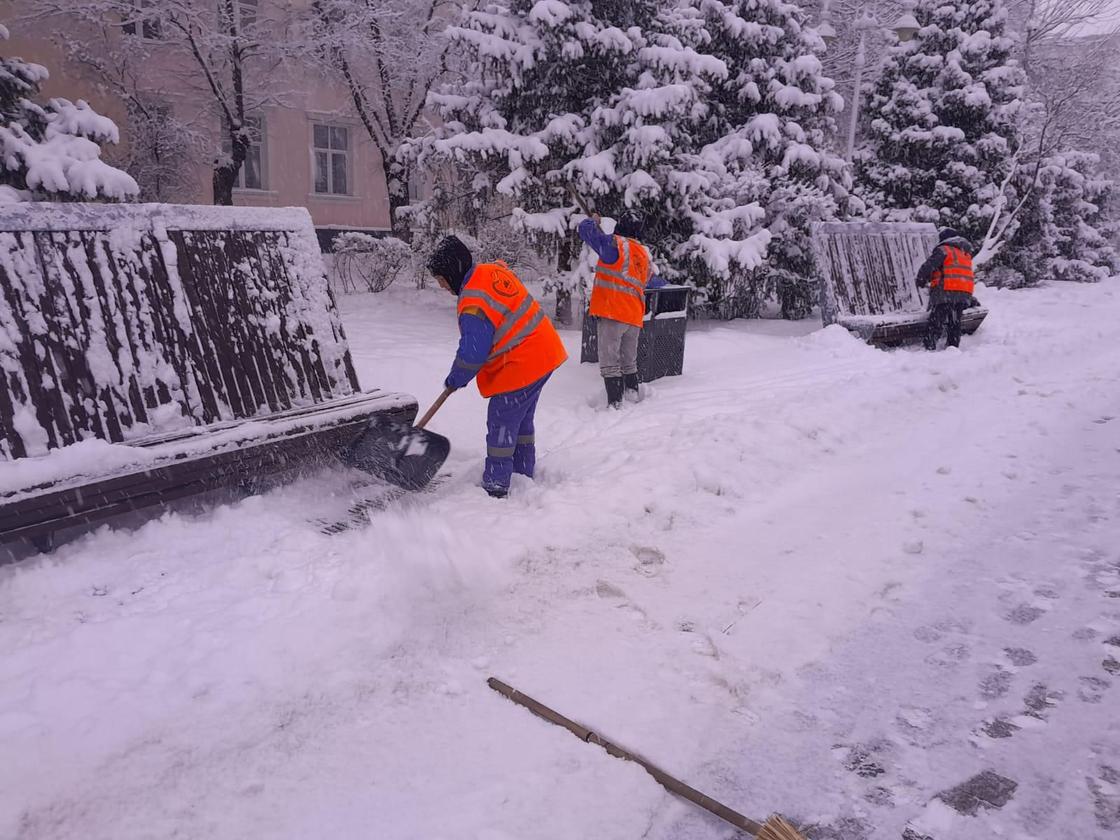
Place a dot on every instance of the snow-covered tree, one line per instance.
(387, 54)
(225, 49)
(773, 117)
(941, 122)
(52, 151)
(530, 74)
(709, 117)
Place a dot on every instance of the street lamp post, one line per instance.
(904, 29)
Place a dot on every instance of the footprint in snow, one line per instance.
(1040, 700)
(650, 560)
(865, 760)
(995, 684)
(938, 821)
(843, 828)
(1104, 790)
(605, 589)
(998, 728)
(1020, 657)
(950, 656)
(987, 790)
(1025, 614)
(1092, 689)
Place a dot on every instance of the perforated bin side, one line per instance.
(661, 344)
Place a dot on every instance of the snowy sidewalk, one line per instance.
(807, 576)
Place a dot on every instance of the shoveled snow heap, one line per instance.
(869, 590)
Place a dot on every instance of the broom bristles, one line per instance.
(776, 828)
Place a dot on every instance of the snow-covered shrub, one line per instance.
(369, 263)
(52, 151)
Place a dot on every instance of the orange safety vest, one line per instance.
(619, 292)
(955, 274)
(526, 346)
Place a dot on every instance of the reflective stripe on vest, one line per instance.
(619, 280)
(524, 346)
(619, 290)
(955, 274)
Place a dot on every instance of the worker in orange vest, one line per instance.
(948, 273)
(510, 345)
(624, 271)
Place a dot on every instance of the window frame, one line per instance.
(262, 133)
(242, 22)
(347, 154)
(147, 28)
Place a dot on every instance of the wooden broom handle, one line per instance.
(579, 200)
(447, 392)
(664, 779)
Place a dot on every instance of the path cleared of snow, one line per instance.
(808, 576)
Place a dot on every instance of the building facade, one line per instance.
(307, 147)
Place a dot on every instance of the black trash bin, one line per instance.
(661, 344)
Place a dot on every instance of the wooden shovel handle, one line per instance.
(435, 407)
(579, 200)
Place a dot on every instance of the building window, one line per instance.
(147, 26)
(253, 174)
(331, 154)
(415, 187)
(246, 11)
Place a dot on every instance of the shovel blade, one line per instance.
(399, 453)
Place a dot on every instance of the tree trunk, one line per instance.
(396, 186)
(564, 292)
(225, 173)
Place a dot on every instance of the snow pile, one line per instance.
(845, 560)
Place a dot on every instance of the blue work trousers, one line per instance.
(510, 442)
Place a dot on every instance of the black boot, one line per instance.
(614, 391)
(630, 381)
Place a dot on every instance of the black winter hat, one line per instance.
(949, 233)
(451, 260)
(630, 225)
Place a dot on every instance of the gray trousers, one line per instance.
(618, 348)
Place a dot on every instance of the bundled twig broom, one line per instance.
(775, 828)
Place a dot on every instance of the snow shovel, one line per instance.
(775, 828)
(406, 455)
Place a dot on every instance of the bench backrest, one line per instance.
(119, 321)
(868, 268)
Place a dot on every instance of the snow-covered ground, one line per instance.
(807, 576)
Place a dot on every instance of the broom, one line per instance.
(775, 828)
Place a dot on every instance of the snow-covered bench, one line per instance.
(867, 273)
(150, 352)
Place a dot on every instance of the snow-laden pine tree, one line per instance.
(773, 116)
(1083, 208)
(531, 73)
(941, 121)
(52, 151)
(534, 71)
(710, 117)
(724, 139)
(1066, 228)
